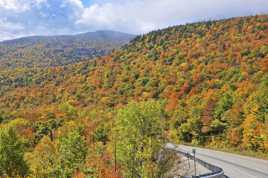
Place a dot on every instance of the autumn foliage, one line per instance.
(211, 79)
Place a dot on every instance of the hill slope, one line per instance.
(212, 77)
(43, 51)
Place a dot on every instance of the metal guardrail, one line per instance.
(216, 172)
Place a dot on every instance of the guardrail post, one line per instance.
(194, 162)
(188, 158)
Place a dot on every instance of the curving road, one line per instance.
(234, 166)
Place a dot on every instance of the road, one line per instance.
(234, 166)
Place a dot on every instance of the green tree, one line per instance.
(72, 150)
(101, 134)
(46, 128)
(11, 154)
(224, 104)
(139, 131)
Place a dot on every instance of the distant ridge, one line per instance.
(59, 50)
(92, 35)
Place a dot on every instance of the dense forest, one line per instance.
(43, 51)
(203, 83)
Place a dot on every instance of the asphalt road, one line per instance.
(234, 166)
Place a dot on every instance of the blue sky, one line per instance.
(51, 17)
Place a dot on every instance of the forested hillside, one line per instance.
(204, 83)
(42, 51)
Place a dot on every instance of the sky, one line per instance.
(20, 18)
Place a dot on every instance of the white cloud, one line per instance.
(5, 25)
(73, 4)
(138, 16)
(14, 5)
(38, 3)
(76, 3)
(9, 30)
(76, 7)
(11, 12)
(20, 5)
(124, 16)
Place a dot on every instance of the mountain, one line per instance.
(204, 83)
(43, 51)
